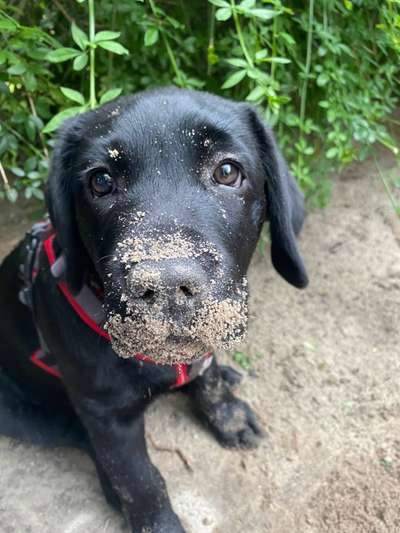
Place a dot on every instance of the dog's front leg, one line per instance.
(119, 446)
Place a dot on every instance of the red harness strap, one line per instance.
(51, 256)
(184, 372)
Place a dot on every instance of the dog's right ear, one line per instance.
(60, 201)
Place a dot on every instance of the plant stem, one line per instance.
(61, 8)
(170, 53)
(308, 61)
(4, 177)
(240, 35)
(172, 59)
(92, 33)
(110, 55)
(211, 37)
(22, 139)
(325, 17)
(273, 47)
(34, 113)
(395, 205)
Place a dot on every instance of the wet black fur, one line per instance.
(99, 405)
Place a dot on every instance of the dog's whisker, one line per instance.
(104, 257)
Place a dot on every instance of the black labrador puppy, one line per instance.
(156, 203)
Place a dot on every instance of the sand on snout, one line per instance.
(219, 322)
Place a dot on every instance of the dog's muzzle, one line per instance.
(177, 302)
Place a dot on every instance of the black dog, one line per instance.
(156, 204)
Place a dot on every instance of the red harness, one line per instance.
(184, 372)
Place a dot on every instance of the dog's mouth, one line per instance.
(217, 324)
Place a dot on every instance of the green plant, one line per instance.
(25, 97)
(85, 51)
(324, 74)
(243, 360)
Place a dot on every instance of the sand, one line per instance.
(324, 381)
(216, 321)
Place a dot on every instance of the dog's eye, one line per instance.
(228, 174)
(102, 184)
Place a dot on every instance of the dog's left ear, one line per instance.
(60, 202)
(285, 205)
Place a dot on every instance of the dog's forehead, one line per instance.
(168, 117)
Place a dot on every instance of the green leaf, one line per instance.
(242, 360)
(60, 117)
(11, 194)
(264, 14)
(224, 13)
(247, 4)
(219, 3)
(110, 95)
(38, 193)
(322, 79)
(237, 62)
(106, 36)
(30, 128)
(258, 75)
(116, 48)
(261, 54)
(256, 94)
(62, 54)
(33, 175)
(17, 172)
(332, 152)
(80, 62)
(282, 60)
(30, 164)
(79, 36)
(16, 70)
(8, 25)
(151, 36)
(234, 79)
(30, 82)
(75, 96)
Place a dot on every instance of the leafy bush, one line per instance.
(325, 74)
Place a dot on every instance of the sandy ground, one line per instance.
(324, 381)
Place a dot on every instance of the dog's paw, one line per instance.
(234, 423)
(231, 376)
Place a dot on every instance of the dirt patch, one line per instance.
(324, 381)
(358, 496)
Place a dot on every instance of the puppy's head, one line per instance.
(162, 196)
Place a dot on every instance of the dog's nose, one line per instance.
(176, 283)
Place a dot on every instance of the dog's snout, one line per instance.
(176, 282)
